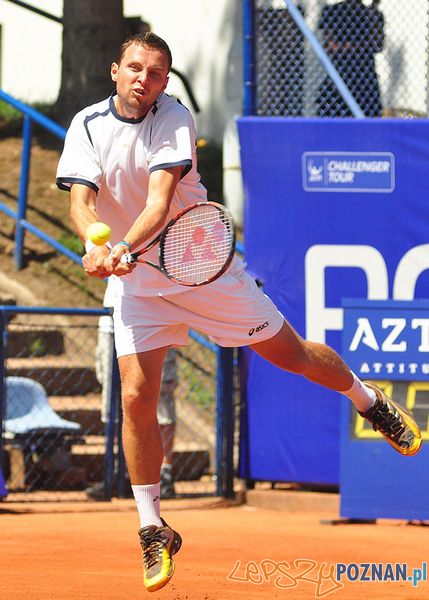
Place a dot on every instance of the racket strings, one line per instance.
(198, 244)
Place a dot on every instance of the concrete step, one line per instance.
(81, 464)
(85, 410)
(25, 342)
(53, 471)
(191, 459)
(60, 376)
(293, 500)
(7, 299)
(188, 465)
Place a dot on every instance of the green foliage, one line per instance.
(37, 347)
(200, 390)
(71, 241)
(9, 114)
(11, 118)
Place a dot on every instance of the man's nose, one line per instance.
(143, 76)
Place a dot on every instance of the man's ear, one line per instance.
(167, 79)
(114, 71)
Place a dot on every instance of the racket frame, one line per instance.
(133, 257)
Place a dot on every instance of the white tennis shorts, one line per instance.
(232, 311)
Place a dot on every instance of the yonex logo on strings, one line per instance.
(258, 328)
(202, 240)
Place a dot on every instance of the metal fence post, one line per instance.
(110, 430)
(3, 322)
(249, 82)
(23, 190)
(225, 422)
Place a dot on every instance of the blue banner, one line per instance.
(335, 208)
(387, 340)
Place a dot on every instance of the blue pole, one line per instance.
(110, 427)
(3, 324)
(225, 423)
(249, 80)
(23, 190)
(51, 310)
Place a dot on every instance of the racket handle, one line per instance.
(128, 258)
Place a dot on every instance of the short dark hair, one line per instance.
(146, 39)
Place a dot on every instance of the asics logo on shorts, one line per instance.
(258, 328)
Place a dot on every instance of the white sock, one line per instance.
(147, 500)
(361, 396)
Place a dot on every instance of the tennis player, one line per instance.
(130, 161)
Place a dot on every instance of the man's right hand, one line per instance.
(94, 262)
(98, 263)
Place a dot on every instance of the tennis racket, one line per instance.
(196, 247)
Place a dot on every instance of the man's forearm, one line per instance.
(82, 209)
(149, 222)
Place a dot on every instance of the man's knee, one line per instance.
(138, 402)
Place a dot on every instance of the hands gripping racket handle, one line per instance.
(129, 257)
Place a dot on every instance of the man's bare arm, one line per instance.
(82, 214)
(162, 185)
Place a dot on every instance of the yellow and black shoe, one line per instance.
(158, 546)
(394, 422)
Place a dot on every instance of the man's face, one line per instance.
(140, 77)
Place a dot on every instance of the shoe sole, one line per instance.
(176, 544)
(409, 420)
(160, 584)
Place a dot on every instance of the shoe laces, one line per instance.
(388, 420)
(154, 543)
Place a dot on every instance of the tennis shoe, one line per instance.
(158, 546)
(394, 422)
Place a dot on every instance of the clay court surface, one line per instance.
(67, 551)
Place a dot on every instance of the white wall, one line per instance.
(200, 33)
(403, 65)
(31, 51)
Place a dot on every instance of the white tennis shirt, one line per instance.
(114, 156)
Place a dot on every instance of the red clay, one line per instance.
(74, 552)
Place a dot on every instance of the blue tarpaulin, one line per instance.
(335, 208)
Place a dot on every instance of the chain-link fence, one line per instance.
(379, 48)
(57, 408)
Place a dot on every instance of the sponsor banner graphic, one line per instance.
(348, 171)
(387, 340)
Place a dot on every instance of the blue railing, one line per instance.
(30, 115)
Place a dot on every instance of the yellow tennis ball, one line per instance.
(98, 233)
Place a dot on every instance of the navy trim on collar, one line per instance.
(118, 116)
(89, 118)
